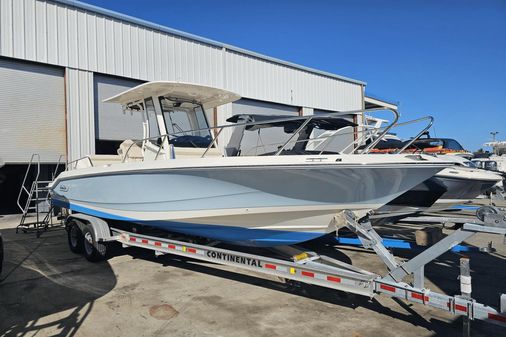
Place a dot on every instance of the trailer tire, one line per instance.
(93, 251)
(75, 237)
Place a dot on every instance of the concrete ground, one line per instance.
(46, 290)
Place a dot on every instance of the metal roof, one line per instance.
(148, 24)
(368, 95)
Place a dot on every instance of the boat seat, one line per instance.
(133, 149)
(104, 159)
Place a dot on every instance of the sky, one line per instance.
(445, 58)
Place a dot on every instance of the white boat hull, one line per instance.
(249, 202)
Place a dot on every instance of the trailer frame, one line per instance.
(312, 268)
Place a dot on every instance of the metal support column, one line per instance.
(465, 289)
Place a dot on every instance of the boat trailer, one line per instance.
(93, 235)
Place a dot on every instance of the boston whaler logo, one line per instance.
(233, 258)
(64, 188)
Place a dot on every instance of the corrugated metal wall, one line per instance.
(80, 117)
(65, 35)
(264, 80)
(55, 33)
(49, 32)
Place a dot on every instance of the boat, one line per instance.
(426, 144)
(450, 187)
(495, 161)
(174, 180)
(453, 186)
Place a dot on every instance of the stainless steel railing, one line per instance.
(306, 120)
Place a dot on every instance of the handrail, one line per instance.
(427, 127)
(302, 126)
(385, 131)
(23, 187)
(322, 137)
(58, 166)
(303, 140)
(364, 138)
(215, 139)
(159, 147)
(278, 120)
(326, 141)
(79, 159)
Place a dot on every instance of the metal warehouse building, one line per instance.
(60, 59)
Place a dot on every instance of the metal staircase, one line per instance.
(37, 209)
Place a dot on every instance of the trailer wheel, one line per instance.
(483, 212)
(93, 251)
(75, 237)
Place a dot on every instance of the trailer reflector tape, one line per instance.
(144, 241)
(157, 243)
(307, 273)
(269, 266)
(132, 239)
(171, 246)
(191, 250)
(498, 318)
(460, 308)
(292, 271)
(420, 297)
(387, 288)
(334, 279)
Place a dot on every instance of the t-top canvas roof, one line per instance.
(209, 97)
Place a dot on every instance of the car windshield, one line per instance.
(182, 119)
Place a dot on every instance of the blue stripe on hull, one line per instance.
(235, 235)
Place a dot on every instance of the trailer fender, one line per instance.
(99, 228)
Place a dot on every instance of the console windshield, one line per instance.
(183, 120)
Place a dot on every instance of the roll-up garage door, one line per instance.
(250, 106)
(111, 122)
(343, 137)
(263, 140)
(32, 112)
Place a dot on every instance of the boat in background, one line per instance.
(453, 186)
(425, 144)
(495, 161)
(167, 181)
